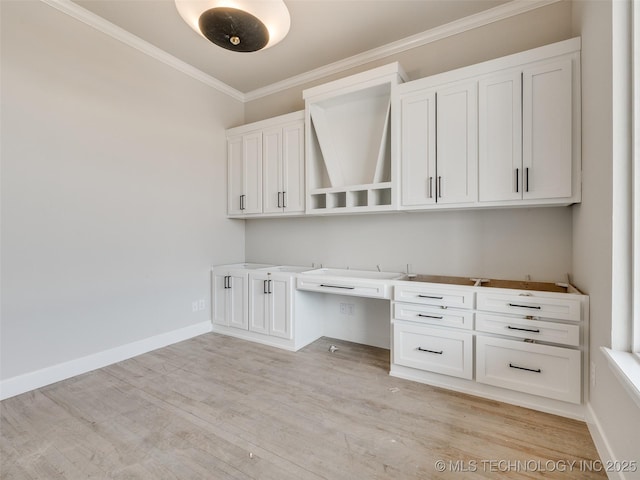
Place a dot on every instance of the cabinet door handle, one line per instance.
(439, 187)
(242, 197)
(430, 296)
(430, 351)
(517, 180)
(526, 177)
(534, 370)
(279, 193)
(537, 307)
(227, 281)
(337, 286)
(269, 287)
(430, 316)
(264, 286)
(532, 330)
(284, 199)
(430, 187)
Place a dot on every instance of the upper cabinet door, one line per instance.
(457, 143)
(272, 170)
(252, 171)
(418, 147)
(293, 191)
(500, 137)
(235, 180)
(547, 130)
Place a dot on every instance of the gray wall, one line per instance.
(593, 226)
(113, 191)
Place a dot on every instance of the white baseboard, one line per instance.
(46, 376)
(601, 442)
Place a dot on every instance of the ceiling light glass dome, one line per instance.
(237, 25)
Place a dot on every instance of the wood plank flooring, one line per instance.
(215, 407)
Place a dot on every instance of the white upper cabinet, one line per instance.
(438, 143)
(418, 147)
(283, 168)
(349, 166)
(244, 154)
(457, 143)
(266, 167)
(505, 132)
(526, 129)
(500, 137)
(547, 130)
(501, 133)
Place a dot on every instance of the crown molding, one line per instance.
(501, 12)
(89, 18)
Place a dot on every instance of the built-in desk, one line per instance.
(520, 342)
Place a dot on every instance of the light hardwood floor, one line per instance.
(215, 407)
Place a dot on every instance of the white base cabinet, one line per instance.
(260, 303)
(522, 346)
(270, 303)
(544, 370)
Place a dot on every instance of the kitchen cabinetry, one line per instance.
(548, 361)
(505, 132)
(270, 303)
(438, 141)
(283, 168)
(229, 294)
(266, 167)
(526, 133)
(514, 341)
(348, 143)
(259, 303)
(432, 328)
(244, 166)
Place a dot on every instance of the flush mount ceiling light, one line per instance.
(238, 25)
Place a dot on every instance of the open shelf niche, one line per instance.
(348, 143)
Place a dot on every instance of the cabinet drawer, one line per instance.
(525, 328)
(552, 372)
(436, 350)
(428, 294)
(356, 288)
(530, 304)
(433, 315)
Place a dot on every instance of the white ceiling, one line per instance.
(322, 32)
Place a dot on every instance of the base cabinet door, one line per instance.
(438, 350)
(270, 306)
(545, 370)
(229, 295)
(259, 304)
(219, 299)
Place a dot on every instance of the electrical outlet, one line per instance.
(201, 304)
(592, 372)
(194, 306)
(347, 308)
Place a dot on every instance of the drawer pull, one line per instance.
(430, 296)
(337, 286)
(537, 307)
(430, 316)
(534, 370)
(430, 351)
(532, 330)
